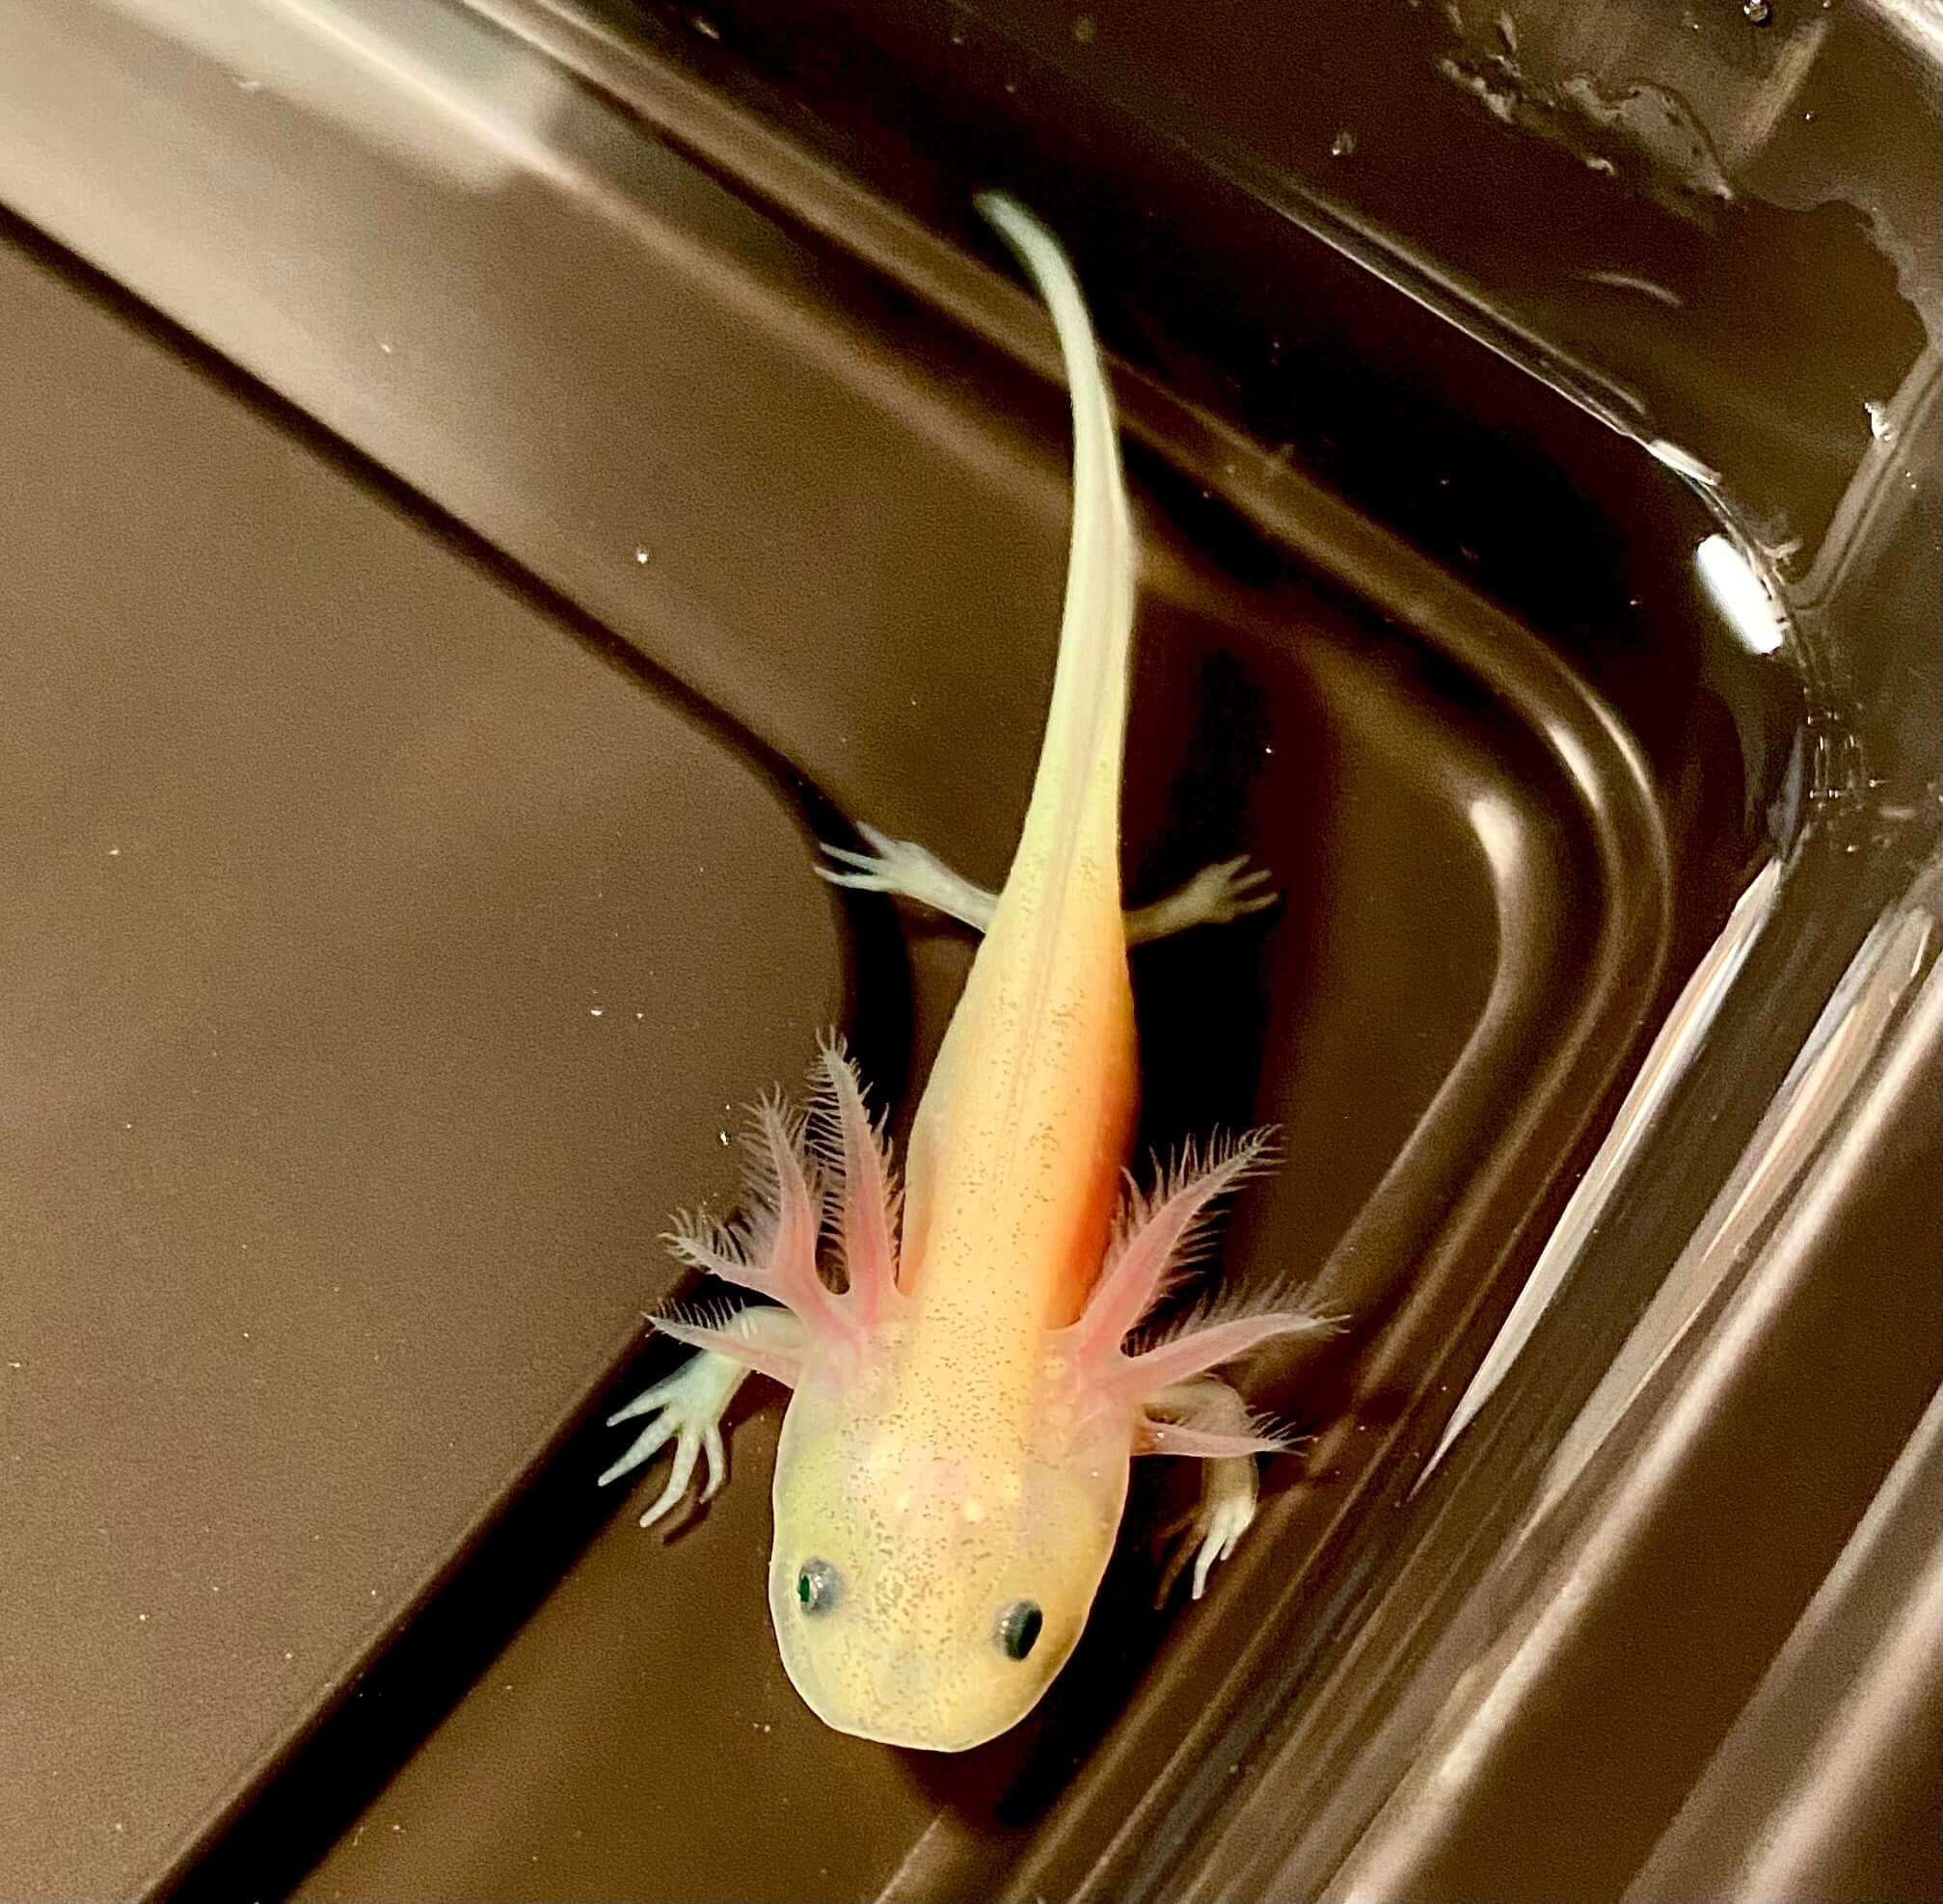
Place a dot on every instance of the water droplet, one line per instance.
(1756, 11)
(1880, 424)
(249, 85)
(1083, 29)
(1343, 144)
(705, 26)
(643, 556)
(958, 35)
(385, 347)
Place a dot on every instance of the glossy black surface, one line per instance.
(634, 333)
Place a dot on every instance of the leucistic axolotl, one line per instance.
(954, 1460)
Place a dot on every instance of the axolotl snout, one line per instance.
(935, 1553)
(954, 1461)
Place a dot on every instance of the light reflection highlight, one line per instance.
(1737, 593)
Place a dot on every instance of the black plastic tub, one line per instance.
(489, 486)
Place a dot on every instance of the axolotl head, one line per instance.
(936, 1550)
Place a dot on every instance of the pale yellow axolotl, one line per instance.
(954, 1461)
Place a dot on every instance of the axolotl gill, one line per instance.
(954, 1461)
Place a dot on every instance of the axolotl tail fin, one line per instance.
(1075, 797)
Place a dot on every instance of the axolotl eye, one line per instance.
(819, 1587)
(1018, 1628)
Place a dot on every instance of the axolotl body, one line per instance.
(954, 1457)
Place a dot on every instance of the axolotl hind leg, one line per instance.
(1226, 891)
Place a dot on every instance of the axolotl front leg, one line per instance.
(687, 1407)
(1183, 1419)
(1228, 890)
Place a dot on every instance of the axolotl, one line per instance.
(954, 1461)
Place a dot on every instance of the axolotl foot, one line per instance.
(1217, 895)
(908, 871)
(687, 1410)
(1211, 1530)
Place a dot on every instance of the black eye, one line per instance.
(819, 1587)
(1018, 1628)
